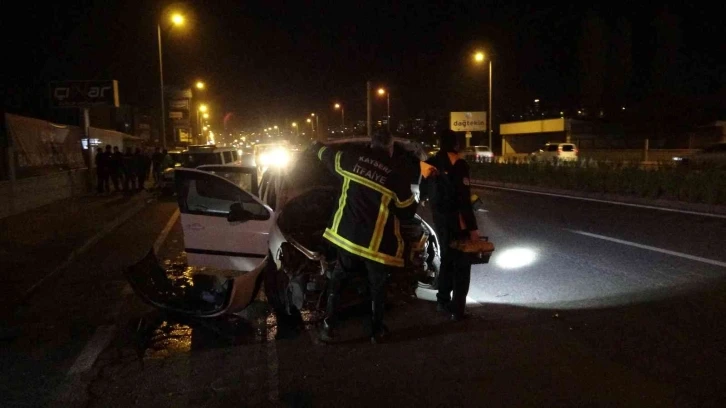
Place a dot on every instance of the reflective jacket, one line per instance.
(375, 195)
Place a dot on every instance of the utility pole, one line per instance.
(489, 114)
(161, 80)
(368, 102)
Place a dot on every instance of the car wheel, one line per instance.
(431, 280)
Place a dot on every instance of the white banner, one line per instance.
(468, 121)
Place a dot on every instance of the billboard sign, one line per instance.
(468, 121)
(84, 94)
(179, 104)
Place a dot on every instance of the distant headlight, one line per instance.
(678, 158)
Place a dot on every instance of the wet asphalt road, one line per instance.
(584, 321)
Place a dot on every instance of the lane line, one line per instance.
(651, 248)
(165, 232)
(596, 200)
(104, 334)
(101, 338)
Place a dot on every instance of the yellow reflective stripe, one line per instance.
(369, 183)
(320, 152)
(380, 223)
(397, 231)
(341, 204)
(406, 203)
(361, 251)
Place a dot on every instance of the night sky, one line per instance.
(267, 62)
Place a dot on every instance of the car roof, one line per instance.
(237, 164)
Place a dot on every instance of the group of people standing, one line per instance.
(128, 171)
(365, 228)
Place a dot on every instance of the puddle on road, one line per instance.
(162, 334)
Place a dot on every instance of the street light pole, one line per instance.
(479, 58)
(382, 91)
(368, 109)
(490, 105)
(342, 116)
(161, 80)
(388, 111)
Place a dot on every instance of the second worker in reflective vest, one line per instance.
(365, 226)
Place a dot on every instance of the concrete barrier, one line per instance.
(25, 194)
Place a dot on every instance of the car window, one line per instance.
(227, 156)
(240, 179)
(205, 194)
(568, 148)
(551, 148)
(234, 155)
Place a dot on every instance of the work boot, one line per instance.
(379, 331)
(326, 328)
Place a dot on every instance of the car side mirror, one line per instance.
(238, 214)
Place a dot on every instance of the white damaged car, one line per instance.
(272, 230)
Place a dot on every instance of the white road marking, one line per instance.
(165, 232)
(651, 248)
(650, 207)
(101, 338)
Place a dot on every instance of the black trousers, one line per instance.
(117, 178)
(103, 181)
(349, 265)
(455, 271)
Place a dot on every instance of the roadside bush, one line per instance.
(664, 181)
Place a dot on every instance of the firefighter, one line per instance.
(365, 225)
(451, 206)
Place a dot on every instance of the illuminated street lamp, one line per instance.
(312, 125)
(204, 110)
(200, 86)
(317, 123)
(382, 92)
(479, 58)
(342, 115)
(176, 20)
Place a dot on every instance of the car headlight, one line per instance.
(281, 158)
(678, 158)
(264, 159)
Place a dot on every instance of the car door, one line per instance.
(224, 226)
(243, 177)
